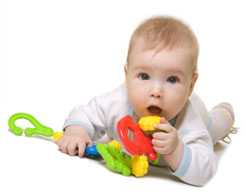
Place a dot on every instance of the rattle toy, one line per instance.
(140, 143)
(139, 147)
(42, 130)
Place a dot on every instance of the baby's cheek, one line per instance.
(136, 100)
(176, 103)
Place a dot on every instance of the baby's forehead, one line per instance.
(174, 60)
(142, 47)
(167, 55)
(142, 44)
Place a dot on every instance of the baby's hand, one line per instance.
(74, 141)
(166, 140)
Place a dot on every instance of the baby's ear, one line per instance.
(193, 81)
(126, 68)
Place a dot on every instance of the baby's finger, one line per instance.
(63, 146)
(164, 127)
(89, 142)
(158, 143)
(163, 150)
(72, 148)
(160, 150)
(81, 148)
(160, 135)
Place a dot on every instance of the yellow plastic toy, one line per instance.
(139, 165)
(57, 135)
(115, 144)
(147, 124)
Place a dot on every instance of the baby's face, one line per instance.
(159, 83)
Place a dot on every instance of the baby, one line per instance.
(161, 72)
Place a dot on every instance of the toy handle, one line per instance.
(38, 128)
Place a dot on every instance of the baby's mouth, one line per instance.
(154, 110)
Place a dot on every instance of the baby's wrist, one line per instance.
(75, 130)
(173, 159)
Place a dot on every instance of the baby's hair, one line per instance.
(164, 32)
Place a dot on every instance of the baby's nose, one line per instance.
(156, 92)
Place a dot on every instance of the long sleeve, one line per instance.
(199, 163)
(100, 116)
(91, 117)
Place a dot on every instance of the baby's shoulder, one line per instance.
(114, 100)
(116, 96)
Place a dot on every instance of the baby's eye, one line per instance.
(143, 76)
(173, 79)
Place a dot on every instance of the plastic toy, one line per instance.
(91, 151)
(139, 165)
(147, 124)
(57, 136)
(38, 129)
(42, 130)
(140, 143)
(118, 161)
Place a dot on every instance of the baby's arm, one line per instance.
(190, 158)
(167, 143)
(188, 151)
(198, 163)
(84, 124)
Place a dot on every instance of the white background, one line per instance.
(56, 54)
